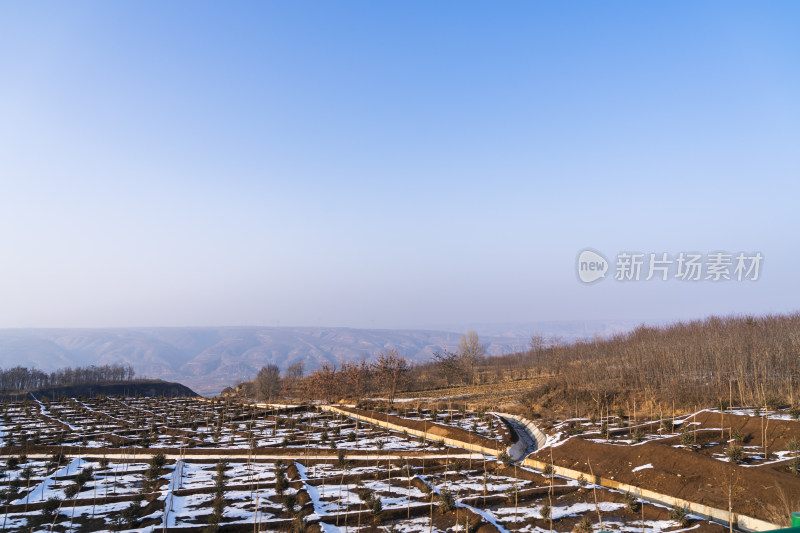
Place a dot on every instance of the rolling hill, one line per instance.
(207, 359)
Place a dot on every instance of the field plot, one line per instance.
(148, 464)
(479, 423)
(743, 458)
(750, 437)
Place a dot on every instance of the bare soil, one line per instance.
(763, 493)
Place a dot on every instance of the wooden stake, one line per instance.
(594, 491)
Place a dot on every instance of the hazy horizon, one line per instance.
(209, 359)
(392, 166)
(444, 327)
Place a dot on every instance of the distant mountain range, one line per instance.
(208, 359)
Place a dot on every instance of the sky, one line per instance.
(391, 164)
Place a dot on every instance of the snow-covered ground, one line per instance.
(184, 491)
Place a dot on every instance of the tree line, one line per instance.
(742, 360)
(21, 378)
(387, 375)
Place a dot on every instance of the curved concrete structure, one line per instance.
(530, 438)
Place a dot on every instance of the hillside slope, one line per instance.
(151, 388)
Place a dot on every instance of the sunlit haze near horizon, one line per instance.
(392, 165)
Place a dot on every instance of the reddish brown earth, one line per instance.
(714, 441)
(765, 493)
(779, 432)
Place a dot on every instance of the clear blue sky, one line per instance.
(390, 164)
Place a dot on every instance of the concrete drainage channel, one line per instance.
(531, 439)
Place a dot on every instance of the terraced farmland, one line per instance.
(157, 464)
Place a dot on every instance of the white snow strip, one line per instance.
(328, 528)
(45, 411)
(42, 491)
(487, 515)
(103, 413)
(171, 502)
(313, 493)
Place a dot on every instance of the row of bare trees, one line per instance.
(457, 367)
(743, 360)
(390, 373)
(387, 374)
(746, 360)
(21, 378)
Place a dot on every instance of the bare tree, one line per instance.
(537, 346)
(391, 370)
(356, 378)
(449, 365)
(292, 377)
(324, 383)
(268, 382)
(471, 352)
(295, 370)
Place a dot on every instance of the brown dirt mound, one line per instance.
(779, 432)
(762, 493)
